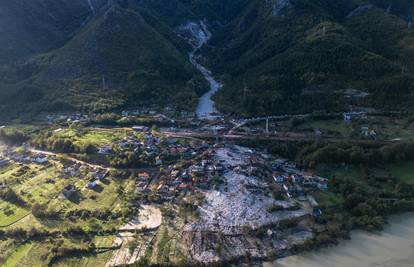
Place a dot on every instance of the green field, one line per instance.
(20, 253)
(337, 127)
(97, 137)
(10, 214)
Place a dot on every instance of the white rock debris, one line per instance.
(237, 206)
(91, 6)
(227, 212)
(195, 32)
(278, 6)
(360, 11)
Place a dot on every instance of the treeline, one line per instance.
(300, 62)
(113, 119)
(369, 199)
(8, 194)
(318, 153)
(13, 136)
(46, 140)
(312, 153)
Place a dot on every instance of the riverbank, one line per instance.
(392, 247)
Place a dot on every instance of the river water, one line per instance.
(393, 247)
(197, 35)
(205, 107)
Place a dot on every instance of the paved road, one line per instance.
(272, 138)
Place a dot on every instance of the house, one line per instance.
(92, 184)
(280, 179)
(175, 173)
(142, 188)
(365, 131)
(50, 181)
(101, 176)
(69, 191)
(373, 134)
(143, 175)
(158, 160)
(184, 187)
(349, 116)
(4, 162)
(162, 189)
(318, 132)
(106, 149)
(323, 186)
(185, 175)
(317, 212)
(292, 190)
(197, 170)
(124, 144)
(296, 179)
(41, 159)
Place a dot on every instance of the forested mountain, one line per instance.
(273, 56)
(299, 56)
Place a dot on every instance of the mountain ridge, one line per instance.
(274, 56)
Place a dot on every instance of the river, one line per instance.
(393, 247)
(197, 35)
(205, 107)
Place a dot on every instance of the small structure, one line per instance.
(69, 191)
(350, 116)
(143, 175)
(317, 212)
(365, 131)
(4, 162)
(41, 159)
(280, 179)
(140, 128)
(158, 160)
(104, 150)
(92, 184)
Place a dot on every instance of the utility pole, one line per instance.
(267, 125)
(245, 90)
(403, 69)
(103, 82)
(389, 8)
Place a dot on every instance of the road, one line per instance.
(192, 134)
(48, 153)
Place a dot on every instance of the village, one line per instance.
(142, 175)
(169, 172)
(361, 124)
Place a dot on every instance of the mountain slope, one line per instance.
(28, 27)
(122, 56)
(303, 56)
(274, 56)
